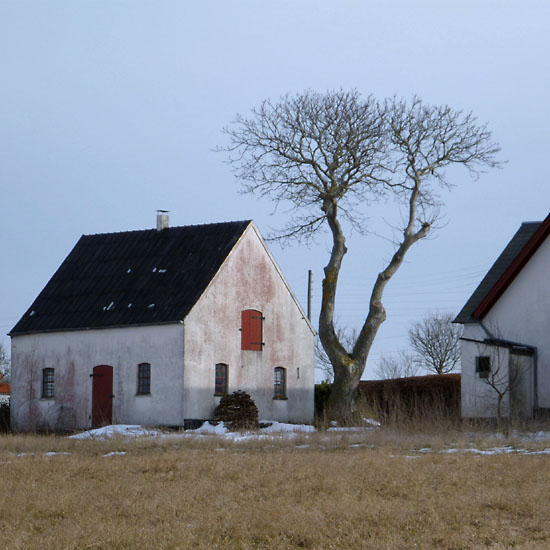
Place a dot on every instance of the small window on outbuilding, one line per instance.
(48, 383)
(222, 372)
(252, 330)
(279, 383)
(144, 379)
(483, 366)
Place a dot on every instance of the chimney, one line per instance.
(163, 221)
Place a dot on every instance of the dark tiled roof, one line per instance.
(131, 278)
(504, 261)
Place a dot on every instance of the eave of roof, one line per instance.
(508, 265)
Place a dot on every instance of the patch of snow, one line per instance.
(372, 422)
(282, 427)
(207, 428)
(115, 453)
(126, 430)
(302, 446)
(25, 454)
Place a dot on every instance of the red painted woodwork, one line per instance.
(102, 396)
(251, 330)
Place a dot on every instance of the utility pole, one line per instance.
(309, 284)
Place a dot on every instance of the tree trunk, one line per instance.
(349, 365)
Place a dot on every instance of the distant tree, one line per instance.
(436, 340)
(4, 363)
(402, 366)
(330, 156)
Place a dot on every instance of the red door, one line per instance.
(102, 396)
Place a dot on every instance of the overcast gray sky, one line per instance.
(111, 109)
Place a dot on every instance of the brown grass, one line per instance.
(179, 495)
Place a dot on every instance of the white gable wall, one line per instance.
(74, 354)
(522, 314)
(249, 279)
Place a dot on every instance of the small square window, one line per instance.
(144, 379)
(483, 366)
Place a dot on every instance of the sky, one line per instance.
(110, 110)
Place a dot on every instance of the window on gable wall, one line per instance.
(483, 366)
(279, 383)
(222, 372)
(48, 383)
(144, 379)
(252, 330)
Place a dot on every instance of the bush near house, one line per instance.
(418, 398)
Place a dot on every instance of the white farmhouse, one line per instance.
(152, 327)
(506, 343)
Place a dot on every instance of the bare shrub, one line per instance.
(417, 403)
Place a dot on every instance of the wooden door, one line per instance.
(102, 396)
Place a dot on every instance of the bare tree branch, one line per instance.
(402, 366)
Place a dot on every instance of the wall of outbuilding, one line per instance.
(74, 354)
(522, 314)
(249, 279)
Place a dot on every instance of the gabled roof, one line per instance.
(132, 278)
(508, 265)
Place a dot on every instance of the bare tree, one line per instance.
(4, 363)
(436, 340)
(402, 366)
(330, 156)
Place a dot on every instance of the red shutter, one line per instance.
(251, 330)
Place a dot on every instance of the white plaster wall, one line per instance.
(478, 399)
(249, 279)
(522, 314)
(74, 354)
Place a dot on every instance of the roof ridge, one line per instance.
(152, 229)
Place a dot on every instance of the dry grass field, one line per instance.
(323, 492)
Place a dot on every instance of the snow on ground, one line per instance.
(126, 430)
(281, 430)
